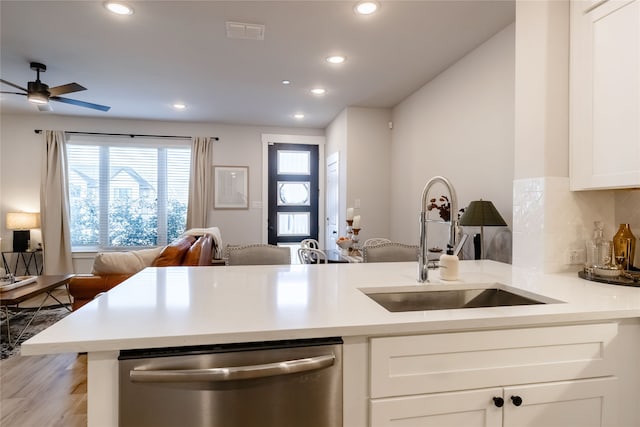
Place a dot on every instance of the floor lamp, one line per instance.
(21, 223)
(482, 213)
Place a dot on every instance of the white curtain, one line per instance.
(54, 205)
(200, 182)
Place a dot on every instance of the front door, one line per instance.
(293, 193)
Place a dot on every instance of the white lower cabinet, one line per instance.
(580, 403)
(559, 376)
(471, 408)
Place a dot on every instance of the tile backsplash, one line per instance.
(549, 220)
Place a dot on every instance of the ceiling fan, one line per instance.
(40, 93)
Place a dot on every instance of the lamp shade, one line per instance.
(482, 213)
(23, 220)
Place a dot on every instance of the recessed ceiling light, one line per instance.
(179, 106)
(337, 59)
(367, 7)
(286, 82)
(299, 116)
(318, 91)
(118, 8)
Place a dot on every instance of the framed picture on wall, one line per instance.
(231, 187)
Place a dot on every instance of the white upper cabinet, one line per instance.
(605, 94)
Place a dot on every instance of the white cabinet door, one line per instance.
(605, 94)
(473, 408)
(581, 403)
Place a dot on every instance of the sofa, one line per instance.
(194, 248)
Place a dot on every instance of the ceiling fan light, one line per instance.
(38, 98)
(118, 8)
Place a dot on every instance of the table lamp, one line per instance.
(21, 223)
(481, 213)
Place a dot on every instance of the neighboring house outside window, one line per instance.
(127, 193)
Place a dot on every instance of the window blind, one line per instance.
(126, 193)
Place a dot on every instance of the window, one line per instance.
(126, 193)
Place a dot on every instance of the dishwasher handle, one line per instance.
(232, 373)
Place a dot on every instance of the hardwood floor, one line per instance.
(44, 391)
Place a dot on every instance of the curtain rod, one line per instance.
(131, 135)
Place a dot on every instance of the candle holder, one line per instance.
(355, 248)
(350, 229)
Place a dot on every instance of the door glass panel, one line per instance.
(293, 223)
(294, 162)
(291, 193)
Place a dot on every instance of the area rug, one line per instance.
(45, 318)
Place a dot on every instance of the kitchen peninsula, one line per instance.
(583, 342)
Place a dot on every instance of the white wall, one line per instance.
(368, 149)
(362, 137)
(21, 151)
(459, 125)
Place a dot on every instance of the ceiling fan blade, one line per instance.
(14, 85)
(44, 107)
(80, 103)
(68, 88)
(15, 93)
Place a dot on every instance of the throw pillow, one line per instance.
(173, 254)
(124, 262)
(200, 252)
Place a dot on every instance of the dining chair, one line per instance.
(375, 241)
(310, 243)
(390, 252)
(312, 256)
(257, 254)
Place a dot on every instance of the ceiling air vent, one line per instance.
(240, 30)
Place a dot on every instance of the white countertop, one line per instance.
(177, 306)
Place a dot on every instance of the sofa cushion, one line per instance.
(200, 252)
(173, 254)
(124, 262)
(214, 232)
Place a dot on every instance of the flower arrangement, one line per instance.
(442, 205)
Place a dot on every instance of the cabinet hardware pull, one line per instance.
(594, 6)
(517, 400)
(498, 401)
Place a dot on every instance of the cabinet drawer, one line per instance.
(465, 360)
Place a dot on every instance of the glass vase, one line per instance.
(624, 247)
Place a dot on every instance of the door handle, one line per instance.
(232, 373)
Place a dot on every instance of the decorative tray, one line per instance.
(7, 285)
(628, 278)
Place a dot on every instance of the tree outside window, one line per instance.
(127, 196)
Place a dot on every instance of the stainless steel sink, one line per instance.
(419, 300)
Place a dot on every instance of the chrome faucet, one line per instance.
(423, 262)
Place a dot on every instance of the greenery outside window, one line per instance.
(126, 193)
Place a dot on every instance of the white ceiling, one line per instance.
(170, 51)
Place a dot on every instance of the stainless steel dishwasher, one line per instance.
(281, 383)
